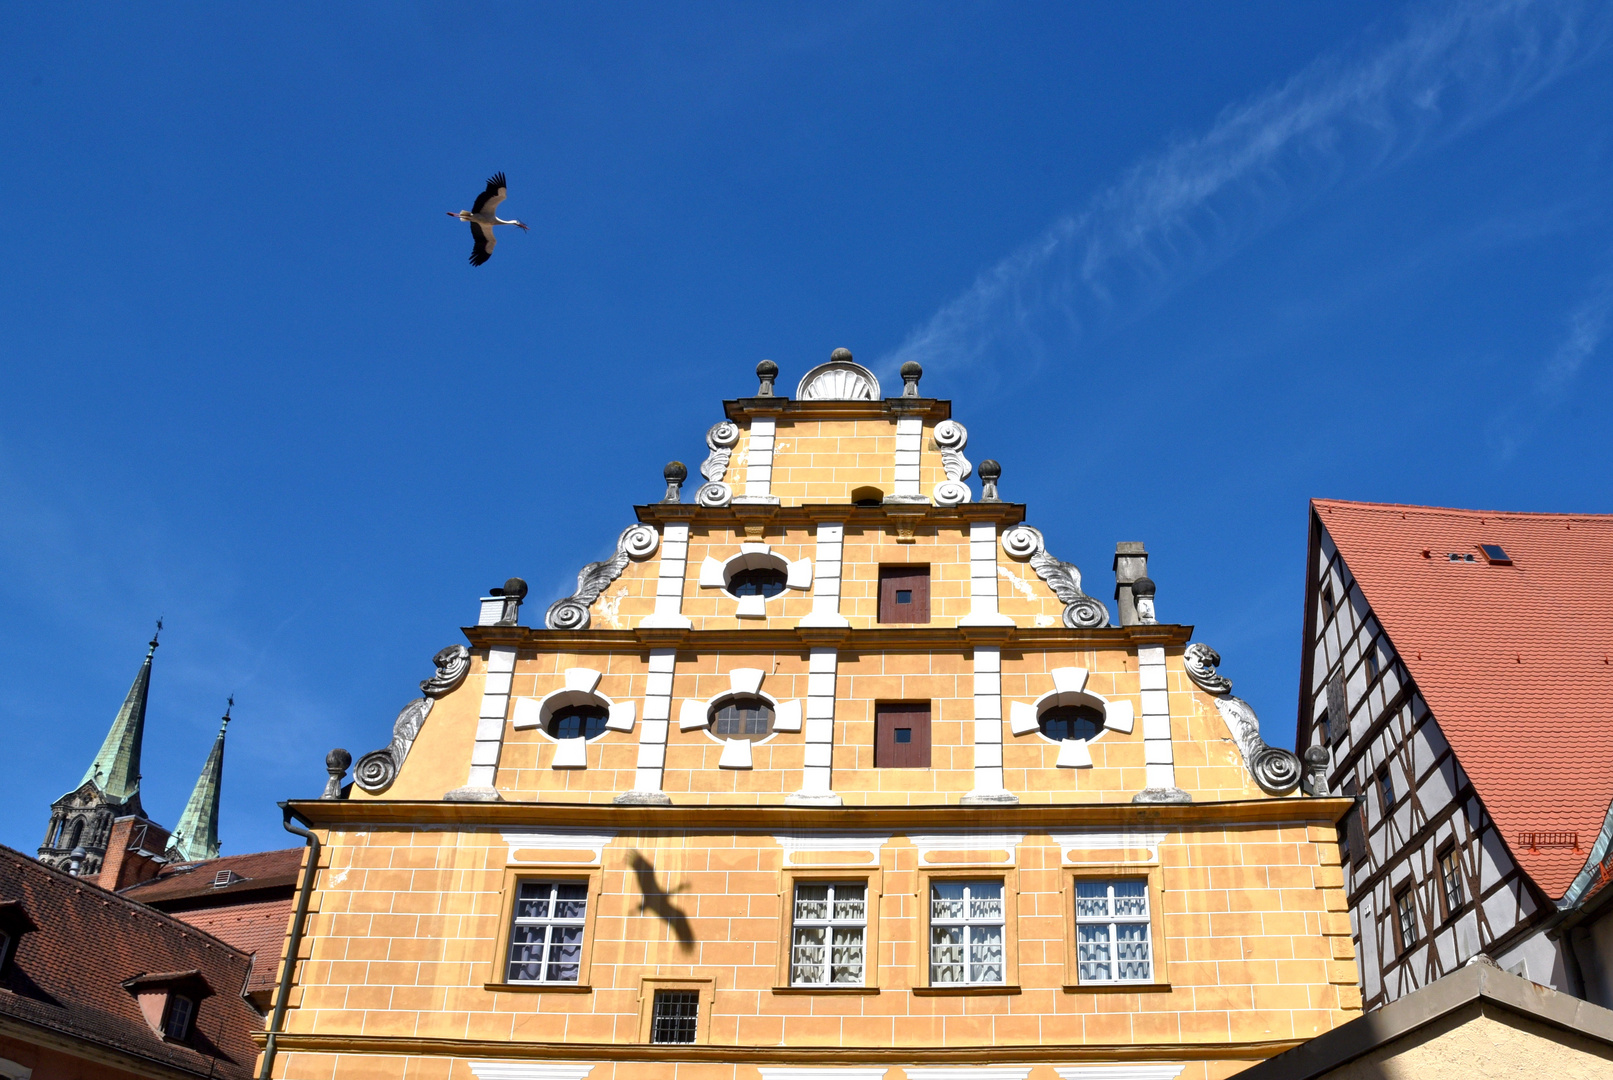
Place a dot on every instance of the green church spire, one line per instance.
(196, 836)
(116, 769)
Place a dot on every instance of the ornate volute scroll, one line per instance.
(720, 440)
(950, 439)
(1081, 611)
(453, 664)
(1201, 661)
(377, 769)
(637, 542)
(1277, 771)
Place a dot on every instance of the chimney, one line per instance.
(133, 853)
(1131, 563)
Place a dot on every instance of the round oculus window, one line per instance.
(1071, 722)
(763, 581)
(742, 718)
(577, 722)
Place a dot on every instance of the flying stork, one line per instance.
(482, 218)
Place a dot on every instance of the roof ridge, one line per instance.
(1458, 511)
(134, 906)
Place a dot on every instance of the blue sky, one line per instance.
(1181, 267)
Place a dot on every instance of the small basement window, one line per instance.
(1496, 554)
(675, 1016)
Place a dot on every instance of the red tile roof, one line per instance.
(259, 869)
(1515, 662)
(68, 975)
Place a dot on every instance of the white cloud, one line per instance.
(1344, 117)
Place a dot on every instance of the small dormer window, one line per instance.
(181, 1010)
(5, 948)
(225, 877)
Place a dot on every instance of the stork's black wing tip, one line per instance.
(495, 182)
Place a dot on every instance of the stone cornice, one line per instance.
(1027, 817)
(780, 1055)
(894, 638)
(932, 409)
(1005, 514)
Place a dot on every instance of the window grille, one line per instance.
(1113, 943)
(180, 1010)
(1450, 874)
(1406, 917)
(830, 933)
(546, 935)
(675, 1017)
(966, 932)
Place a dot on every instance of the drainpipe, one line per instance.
(297, 920)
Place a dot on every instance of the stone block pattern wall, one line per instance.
(1208, 764)
(408, 925)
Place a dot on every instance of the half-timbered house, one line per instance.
(1458, 669)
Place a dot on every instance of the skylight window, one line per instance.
(1496, 555)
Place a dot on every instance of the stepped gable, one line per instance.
(1515, 661)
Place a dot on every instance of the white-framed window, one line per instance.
(966, 932)
(546, 932)
(830, 933)
(1406, 918)
(1113, 941)
(1450, 874)
(180, 1011)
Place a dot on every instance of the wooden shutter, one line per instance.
(912, 582)
(889, 722)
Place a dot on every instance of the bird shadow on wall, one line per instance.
(658, 901)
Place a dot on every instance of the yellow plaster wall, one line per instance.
(408, 923)
(1208, 763)
(945, 549)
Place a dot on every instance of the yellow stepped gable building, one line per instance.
(831, 772)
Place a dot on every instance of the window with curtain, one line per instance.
(1113, 943)
(829, 935)
(966, 932)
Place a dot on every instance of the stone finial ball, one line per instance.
(912, 370)
(841, 356)
(1316, 756)
(766, 370)
(338, 760)
(1142, 587)
(675, 472)
(990, 469)
(515, 587)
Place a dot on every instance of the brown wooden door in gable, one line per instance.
(904, 594)
(902, 735)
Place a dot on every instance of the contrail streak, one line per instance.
(1344, 117)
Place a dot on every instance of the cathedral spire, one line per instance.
(116, 769)
(196, 836)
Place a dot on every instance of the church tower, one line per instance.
(110, 789)
(196, 836)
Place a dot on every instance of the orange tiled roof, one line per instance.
(72, 974)
(257, 870)
(1515, 662)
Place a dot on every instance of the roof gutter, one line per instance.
(298, 918)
